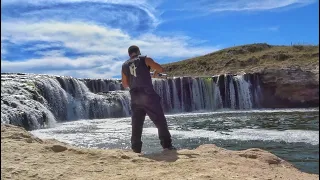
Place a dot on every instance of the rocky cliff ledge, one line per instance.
(24, 156)
(290, 87)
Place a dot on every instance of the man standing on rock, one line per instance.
(144, 99)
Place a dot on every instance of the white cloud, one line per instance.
(39, 2)
(51, 53)
(111, 11)
(253, 5)
(275, 28)
(207, 6)
(99, 50)
(271, 29)
(42, 46)
(92, 39)
(3, 49)
(57, 62)
(90, 66)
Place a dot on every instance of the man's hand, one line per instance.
(155, 74)
(153, 65)
(158, 75)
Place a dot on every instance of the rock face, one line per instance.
(24, 156)
(290, 87)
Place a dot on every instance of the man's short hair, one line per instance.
(133, 49)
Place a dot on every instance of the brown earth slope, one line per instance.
(24, 156)
(289, 74)
(247, 58)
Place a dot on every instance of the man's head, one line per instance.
(133, 50)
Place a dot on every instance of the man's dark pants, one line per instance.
(147, 102)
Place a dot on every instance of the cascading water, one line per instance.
(174, 96)
(22, 105)
(196, 96)
(182, 88)
(245, 98)
(217, 98)
(102, 85)
(205, 93)
(232, 95)
(37, 101)
(209, 95)
(256, 90)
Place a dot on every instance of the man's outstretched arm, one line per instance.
(155, 66)
(124, 80)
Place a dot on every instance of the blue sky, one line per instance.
(89, 38)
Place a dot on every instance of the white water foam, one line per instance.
(289, 136)
(89, 133)
(229, 111)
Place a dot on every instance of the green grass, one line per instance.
(246, 58)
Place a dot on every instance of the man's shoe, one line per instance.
(172, 148)
(136, 151)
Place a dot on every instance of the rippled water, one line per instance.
(290, 134)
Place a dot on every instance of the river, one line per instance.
(291, 134)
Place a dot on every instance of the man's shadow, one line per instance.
(168, 156)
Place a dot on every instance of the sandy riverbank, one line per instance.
(24, 156)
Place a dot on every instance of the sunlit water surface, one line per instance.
(292, 134)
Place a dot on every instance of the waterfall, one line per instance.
(182, 94)
(38, 101)
(209, 93)
(167, 95)
(174, 98)
(217, 97)
(232, 95)
(245, 98)
(208, 86)
(102, 85)
(196, 96)
(22, 105)
(257, 90)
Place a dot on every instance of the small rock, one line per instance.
(274, 161)
(125, 157)
(58, 148)
(34, 175)
(251, 156)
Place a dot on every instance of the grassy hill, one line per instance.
(247, 58)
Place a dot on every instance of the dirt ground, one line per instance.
(24, 156)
